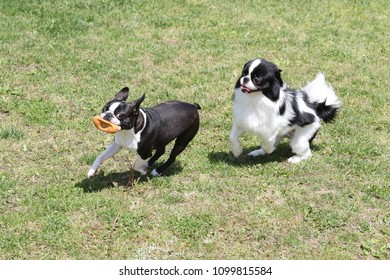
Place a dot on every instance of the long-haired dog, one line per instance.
(264, 106)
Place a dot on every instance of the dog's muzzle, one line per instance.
(108, 116)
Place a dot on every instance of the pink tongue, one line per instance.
(245, 88)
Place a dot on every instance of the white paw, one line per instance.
(237, 152)
(142, 171)
(295, 159)
(91, 172)
(141, 166)
(299, 158)
(154, 173)
(256, 153)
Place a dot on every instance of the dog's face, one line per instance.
(260, 75)
(120, 112)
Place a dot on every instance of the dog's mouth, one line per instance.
(114, 121)
(246, 89)
(110, 119)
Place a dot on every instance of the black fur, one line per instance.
(326, 112)
(300, 118)
(176, 120)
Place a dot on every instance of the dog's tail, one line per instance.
(323, 98)
(197, 106)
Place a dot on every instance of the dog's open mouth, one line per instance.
(245, 89)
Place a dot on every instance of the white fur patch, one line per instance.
(319, 91)
(254, 64)
(128, 139)
(256, 114)
(111, 110)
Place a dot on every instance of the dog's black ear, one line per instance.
(274, 91)
(136, 103)
(278, 77)
(122, 94)
(272, 83)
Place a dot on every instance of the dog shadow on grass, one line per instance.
(281, 154)
(101, 181)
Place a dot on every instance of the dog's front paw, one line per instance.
(294, 159)
(154, 173)
(142, 170)
(141, 166)
(237, 152)
(91, 172)
(256, 153)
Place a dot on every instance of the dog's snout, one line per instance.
(108, 116)
(245, 80)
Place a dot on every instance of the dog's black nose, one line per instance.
(246, 79)
(108, 116)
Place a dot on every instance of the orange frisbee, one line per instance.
(105, 126)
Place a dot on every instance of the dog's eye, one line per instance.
(120, 116)
(257, 80)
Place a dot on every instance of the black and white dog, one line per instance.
(264, 106)
(144, 130)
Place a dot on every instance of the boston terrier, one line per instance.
(144, 130)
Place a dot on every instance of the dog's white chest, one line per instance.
(253, 114)
(128, 139)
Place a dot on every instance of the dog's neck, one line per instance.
(270, 94)
(140, 122)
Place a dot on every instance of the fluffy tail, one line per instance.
(322, 96)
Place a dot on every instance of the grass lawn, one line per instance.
(61, 61)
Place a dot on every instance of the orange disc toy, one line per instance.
(105, 126)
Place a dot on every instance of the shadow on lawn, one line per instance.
(101, 181)
(281, 154)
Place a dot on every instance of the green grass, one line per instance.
(61, 61)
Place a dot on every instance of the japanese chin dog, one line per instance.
(263, 105)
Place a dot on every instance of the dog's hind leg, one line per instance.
(157, 155)
(300, 142)
(180, 144)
